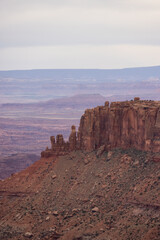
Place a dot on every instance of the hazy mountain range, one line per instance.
(40, 85)
(35, 104)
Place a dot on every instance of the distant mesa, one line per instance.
(128, 124)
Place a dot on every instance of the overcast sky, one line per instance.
(79, 33)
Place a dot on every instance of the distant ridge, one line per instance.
(27, 86)
(75, 100)
(75, 69)
(41, 73)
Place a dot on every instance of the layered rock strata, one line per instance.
(129, 124)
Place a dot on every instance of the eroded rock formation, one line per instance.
(59, 146)
(129, 124)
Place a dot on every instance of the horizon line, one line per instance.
(33, 69)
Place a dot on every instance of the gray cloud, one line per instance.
(74, 25)
(69, 23)
(131, 4)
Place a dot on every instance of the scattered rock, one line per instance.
(52, 229)
(28, 235)
(101, 230)
(136, 163)
(85, 200)
(18, 216)
(86, 161)
(54, 176)
(101, 150)
(113, 178)
(137, 211)
(55, 213)
(100, 175)
(156, 159)
(109, 174)
(47, 218)
(95, 209)
(109, 155)
(104, 186)
(75, 210)
(126, 159)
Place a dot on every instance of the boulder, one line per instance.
(28, 235)
(95, 209)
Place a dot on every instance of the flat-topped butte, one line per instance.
(128, 124)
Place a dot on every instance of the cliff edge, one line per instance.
(129, 124)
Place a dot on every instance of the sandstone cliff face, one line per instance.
(129, 124)
(133, 124)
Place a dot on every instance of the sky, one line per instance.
(102, 34)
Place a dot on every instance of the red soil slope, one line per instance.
(111, 195)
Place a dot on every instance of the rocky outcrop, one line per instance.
(73, 139)
(129, 124)
(59, 146)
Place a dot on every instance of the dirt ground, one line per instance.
(83, 196)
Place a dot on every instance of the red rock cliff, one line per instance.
(129, 124)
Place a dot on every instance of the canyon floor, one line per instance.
(82, 196)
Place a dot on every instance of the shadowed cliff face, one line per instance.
(129, 124)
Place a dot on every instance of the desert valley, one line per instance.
(103, 183)
(80, 120)
(36, 104)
